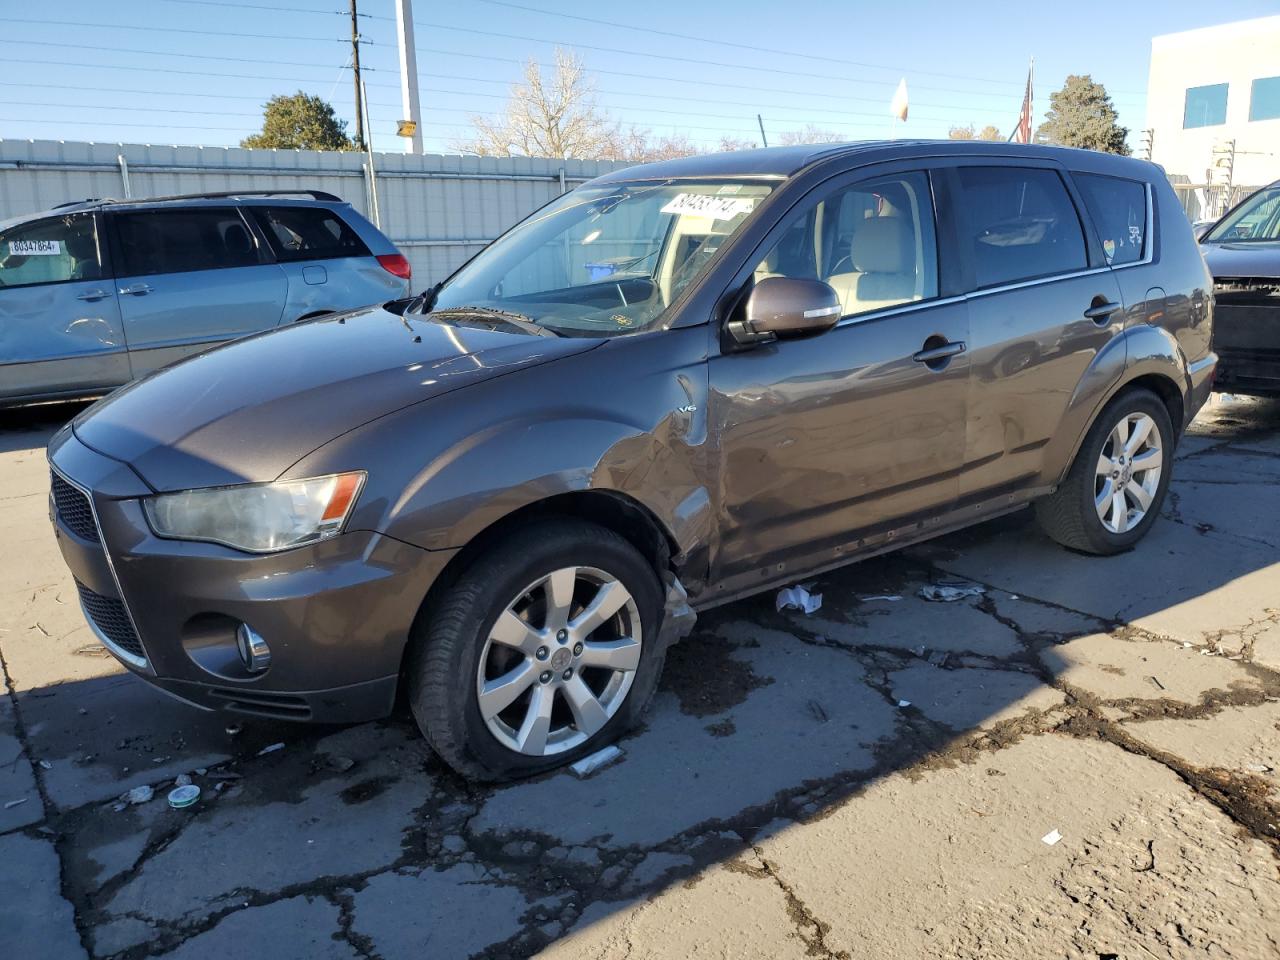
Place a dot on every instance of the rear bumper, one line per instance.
(336, 615)
(1203, 375)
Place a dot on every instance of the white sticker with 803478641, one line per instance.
(717, 208)
(35, 248)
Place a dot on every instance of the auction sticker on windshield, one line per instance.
(717, 208)
(35, 248)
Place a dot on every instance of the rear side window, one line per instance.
(56, 250)
(1118, 209)
(180, 241)
(1019, 224)
(308, 233)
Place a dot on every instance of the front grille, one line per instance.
(74, 509)
(112, 620)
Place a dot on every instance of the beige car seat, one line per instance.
(880, 268)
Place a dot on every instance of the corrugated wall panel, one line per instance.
(440, 209)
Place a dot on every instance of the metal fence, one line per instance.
(438, 209)
(1209, 201)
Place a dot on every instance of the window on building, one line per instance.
(1264, 99)
(1206, 106)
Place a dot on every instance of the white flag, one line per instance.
(898, 107)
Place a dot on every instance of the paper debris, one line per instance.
(904, 703)
(893, 598)
(46, 765)
(15, 803)
(595, 761)
(271, 749)
(1052, 837)
(182, 780)
(798, 598)
(139, 794)
(951, 592)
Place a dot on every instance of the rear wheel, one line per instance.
(543, 651)
(1117, 484)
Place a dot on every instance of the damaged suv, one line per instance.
(1243, 253)
(677, 385)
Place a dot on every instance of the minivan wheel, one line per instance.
(544, 650)
(1116, 486)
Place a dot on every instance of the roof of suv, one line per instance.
(294, 197)
(783, 162)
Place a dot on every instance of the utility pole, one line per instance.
(408, 75)
(355, 68)
(764, 141)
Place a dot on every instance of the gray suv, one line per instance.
(96, 293)
(677, 385)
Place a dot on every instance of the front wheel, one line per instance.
(1114, 489)
(543, 651)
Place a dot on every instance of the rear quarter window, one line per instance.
(1018, 224)
(308, 233)
(1118, 208)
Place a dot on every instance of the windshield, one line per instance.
(1257, 219)
(605, 260)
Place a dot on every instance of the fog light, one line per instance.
(254, 652)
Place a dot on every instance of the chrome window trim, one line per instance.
(140, 662)
(1034, 282)
(908, 306)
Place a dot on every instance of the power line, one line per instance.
(168, 53)
(151, 29)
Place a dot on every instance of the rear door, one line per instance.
(190, 277)
(60, 329)
(328, 266)
(1042, 304)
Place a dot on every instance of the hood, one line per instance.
(1258, 258)
(249, 410)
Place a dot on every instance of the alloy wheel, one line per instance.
(1128, 472)
(559, 661)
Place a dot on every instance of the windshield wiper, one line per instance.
(518, 320)
(424, 301)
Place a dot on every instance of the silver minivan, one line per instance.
(97, 293)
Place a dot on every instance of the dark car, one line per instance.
(677, 385)
(1243, 253)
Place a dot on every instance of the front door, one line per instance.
(60, 331)
(191, 277)
(855, 431)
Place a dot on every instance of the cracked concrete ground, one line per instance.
(873, 780)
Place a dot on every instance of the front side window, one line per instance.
(1258, 218)
(1018, 224)
(605, 260)
(1205, 106)
(180, 241)
(308, 233)
(56, 250)
(1264, 99)
(873, 242)
(1119, 211)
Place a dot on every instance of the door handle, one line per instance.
(136, 289)
(1100, 311)
(92, 295)
(934, 354)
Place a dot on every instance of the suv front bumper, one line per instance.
(336, 614)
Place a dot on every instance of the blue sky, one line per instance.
(197, 71)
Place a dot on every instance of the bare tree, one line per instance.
(729, 144)
(962, 133)
(552, 116)
(810, 133)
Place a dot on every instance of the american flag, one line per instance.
(1022, 132)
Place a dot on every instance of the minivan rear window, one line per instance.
(1019, 224)
(1118, 208)
(308, 233)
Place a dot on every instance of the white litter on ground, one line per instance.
(15, 803)
(893, 598)
(798, 598)
(595, 761)
(904, 703)
(271, 749)
(1052, 837)
(951, 592)
(139, 794)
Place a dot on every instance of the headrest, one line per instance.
(882, 245)
(237, 239)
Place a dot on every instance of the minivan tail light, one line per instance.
(397, 264)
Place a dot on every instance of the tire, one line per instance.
(458, 637)
(1078, 515)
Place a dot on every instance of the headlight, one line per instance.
(258, 517)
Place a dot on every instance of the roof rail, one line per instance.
(314, 194)
(78, 203)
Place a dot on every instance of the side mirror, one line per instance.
(786, 307)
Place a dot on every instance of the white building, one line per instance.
(1210, 90)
